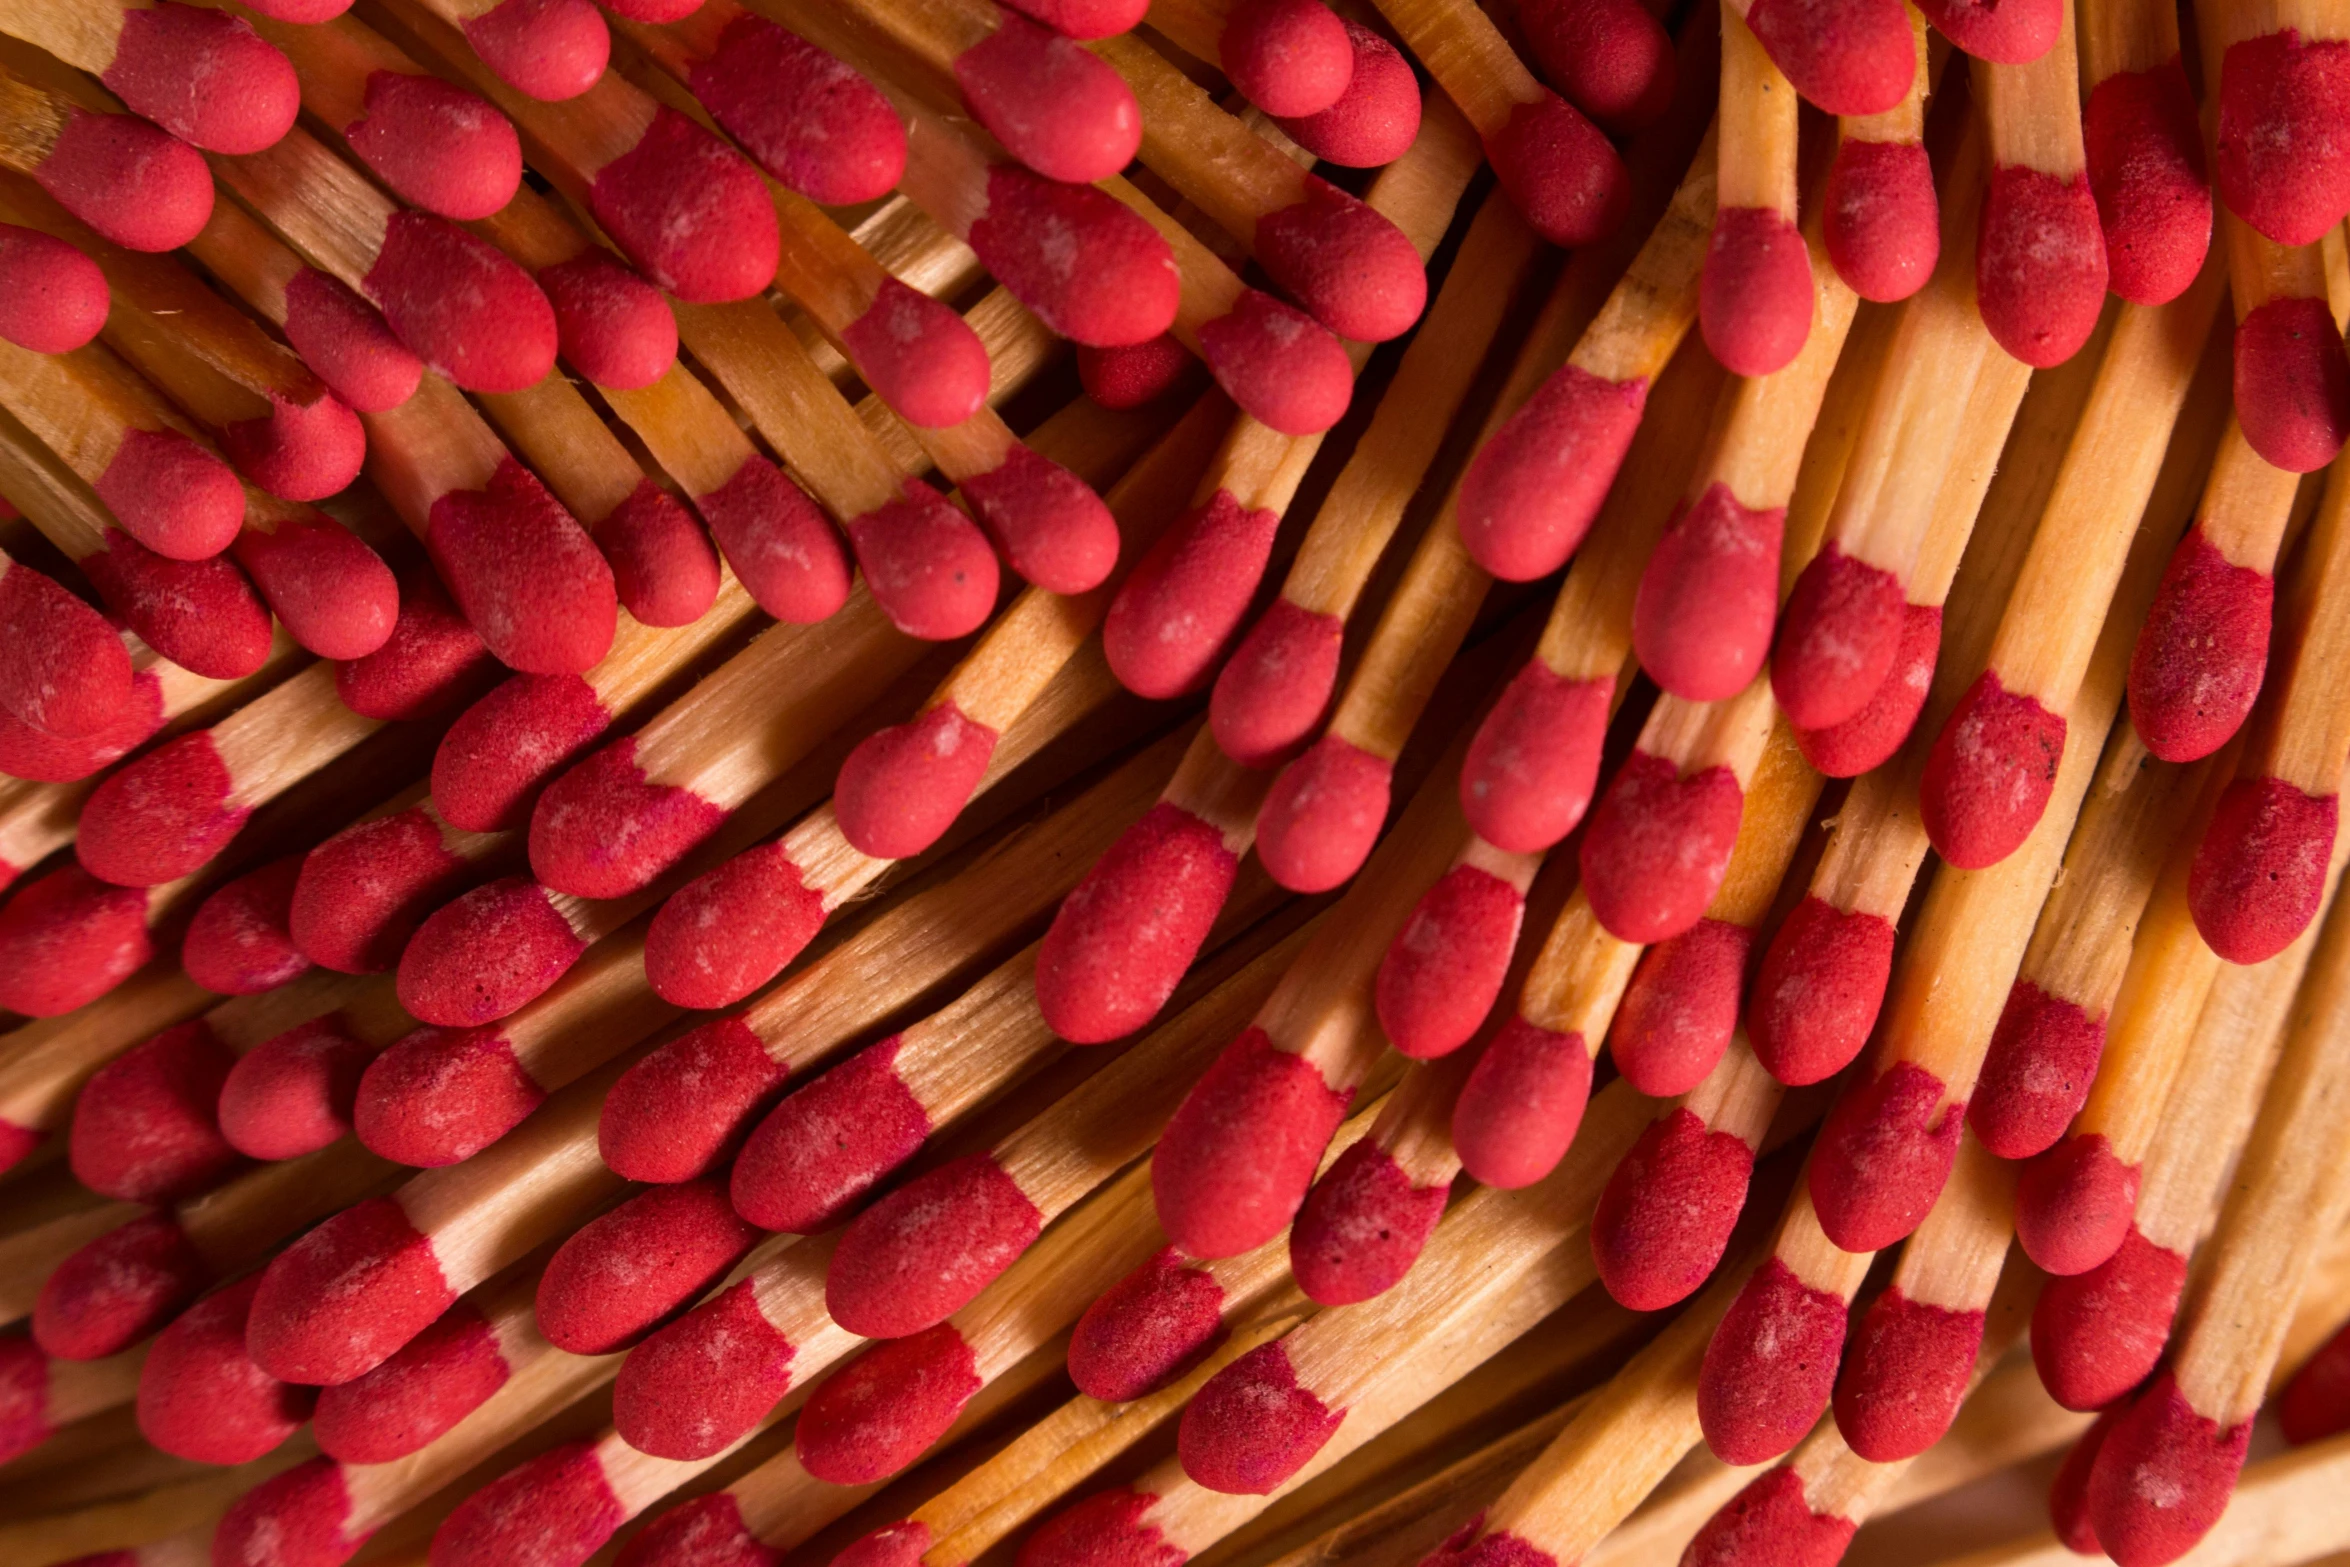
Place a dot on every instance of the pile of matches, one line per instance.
(678, 897)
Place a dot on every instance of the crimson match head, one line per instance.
(202, 1398)
(704, 1380)
(1904, 1376)
(52, 297)
(2316, 1403)
(621, 1275)
(1990, 773)
(789, 558)
(205, 76)
(1092, 269)
(1882, 1157)
(1273, 690)
(1107, 1526)
(1083, 19)
(2096, 1335)
(1839, 637)
(1816, 995)
(2278, 168)
(1147, 1329)
(724, 934)
(361, 894)
(334, 595)
(1104, 970)
(2007, 34)
(295, 1519)
(438, 145)
(1771, 1366)
(2202, 653)
(2068, 1493)
(2162, 1477)
(2040, 270)
(690, 212)
(612, 326)
(529, 580)
(1279, 364)
(1345, 263)
(24, 1391)
(817, 1154)
(811, 121)
(1055, 105)
(308, 13)
(1531, 492)
(2259, 873)
(927, 564)
(2145, 152)
(1845, 57)
(486, 954)
(664, 567)
(2292, 385)
(1376, 120)
(65, 671)
(144, 1129)
(353, 350)
(1323, 815)
(1288, 57)
(1755, 297)
(676, 1113)
(2036, 1074)
(883, 1410)
(293, 1093)
(1610, 58)
(117, 1289)
(2074, 1204)
(67, 939)
(172, 495)
(903, 787)
(708, 1531)
(1242, 1148)
(488, 768)
(299, 451)
(341, 1300)
(438, 1096)
(1869, 738)
(545, 49)
(1709, 596)
(437, 1379)
(1665, 1216)
(1522, 1104)
(1560, 172)
(1681, 1008)
(239, 943)
(137, 185)
(1133, 374)
(921, 1253)
(1362, 1226)
(1440, 975)
(1251, 1426)
(464, 306)
(1658, 845)
(17, 1144)
(1049, 524)
(556, 1507)
(1770, 1521)
(920, 357)
(1881, 219)
(43, 756)
(1533, 764)
(1184, 598)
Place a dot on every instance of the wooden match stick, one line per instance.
(133, 182)
(1755, 304)
(1879, 212)
(154, 57)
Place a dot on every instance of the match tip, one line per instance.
(205, 76)
(438, 1096)
(67, 939)
(1881, 219)
(1184, 598)
(338, 1302)
(294, 1519)
(917, 1256)
(1139, 373)
(1361, 1228)
(2292, 383)
(1845, 57)
(464, 306)
(1681, 1008)
(2096, 1335)
(883, 1410)
(1665, 1216)
(1273, 690)
(811, 121)
(1090, 268)
(675, 1113)
(1345, 263)
(555, 1507)
(117, 1289)
(1882, 1156)
(2279, 168)
(488, 768)
(1904, 1376)
(704, 1380)
(200, 1396)
(1288, 57)
(438, 145)
(1050, 525)
(144, 1128)
(1109, 1526)
(603, 829)
(2036, 1074)
(529, 580)
(1323, 814)
(1817, 993)
(2145, 152)
(2004, 34)
(927, 564)
(1839, 636)
(708, 1531)
(2074, 1204)
(919, 357)
(437, 1379)
(1610, 58)
(1770, 1521)
(1252, 1426)
(2202, 654)
(544, 49)
(298, 452)
(65, 671)
(789, 558)
(2040, 269)
(1658, 845)
(1522, 1104)
(1376, 120)
(292, 1094)
(817, 1154)
(1709, 597)
(723, 935)
(1147, 1329)
(161, 817)
(1531, 492)
(172, 495)
(664, 567)
(42, 756)
(52, 297)
(486, 953)
(612, 326)
(902, 787)
(1869, 738)
(353, 350)
(361, 894)
(1280, 365)
(1534, 762)
(240, 942)
(1562, 175)
(1754, 299)
(1990, 773)
(2068, 1492)
(136, 184)
(1440, 974)
(2259, 873)
(2316, 1403)
(24, 1395)
(689, 211)
(1770, 1367)
(1053, 103)
(622, 1274)
(2162, 1477)
(1242, 1148)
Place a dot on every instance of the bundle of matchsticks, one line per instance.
(909, 782)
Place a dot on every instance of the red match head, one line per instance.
(1147, 1329)
(144, 1127)
(1082, 19)
(704, 1380)
(677, 1111)
(1770, 1521)
(1681, 1008)
(1351, 268)
(299, 452)
(690, 212)
(172, 495)
(485, 954)
(1522, 1104)
(2040, 269)
(1882, 1157)
(1135, 374)
(1838, 639)
(619, 1276)
(891, 1545)
(2074, 1204)
(1440, 974)
(2316, 1403)
(202, 1398)
(926, 563)
(557, 1507)
(2162, 1477)
(1531, 492)
(708, 1531)
(24, 1396)
(292, 1094)
(117, 1289)
(919, 357)
(1055, 105)
(1709, 596)
(547, 49)
(882, 1410)
(664, 567)
(1755, 298)
(488, 769)
(920, 1254)
(903, 787)
(812, 122)
(1288, 57)
(67, 939)
(2259, 873)
(612, 326)
(1362, 1226)
(2146, 167)
(466, 307)
(529, 580)
(334, 595)
(1323, 814)
(2036, 1073)
(1990, 773)
(1817, 993)
(352, 349)
(437, 1379)
(1880, 218)
(1610, 58)
(1090, 268)
(1049, 524)
(2281, 168)
(1376, 120)
(203, 615)
(1184, 598)
(1252, 1426)
(1106, 1527)
(724, 934)
(344, 1298)
(818, 1153)
(46, 757)
(1845, 56)
(2292, 383)
(1560, 172)
(1658, 845)
(2005, 34)
(2097, 1334)
(64, 671)
(362, 893)
(1242, 1148)
(205, 76)
(2202, 653)
(1271, 693)
(438, 145)
(1664, 1218)
(295, 1519)
(603, 830)
(1534, 762)
(1771, 1366)
(1904, 1375)
(789, 558)
(438, 1096)
(238, 944)
(138, 186)
(52, 297)
(1281, 366)
(1869, 738)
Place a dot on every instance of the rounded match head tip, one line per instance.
(1242, 1148)
(1610, 58)
(676, 1113)
(144, 1127)
(1845, 57)
(67, 939)
(1054, 104)
(52, 297)
(2096, 1335)
(1133, 375)
(1904, 1375)
(2162, 1477)
(294, 1519)
(1049, 524)
(1279, 364)
(240, 943)
(2202, 653)
(1522, 1104)
(1658, 845)
(1090, 268)
(1839, 637)
(440, 1376)
(1531, 492)
(1533, 764)
(1147, 1329)
(1275, 687)
(902, 787)
(1323, 815)
(438, 1096)
(350, 347)
(1351, 268)
(43, 756)
(708, 1531)
(690, 212)
(1288, 57)
(117, 1289)
(489, 766)
(621, 1275)
(811, 121)
(1816, 995)
(664, 567)
(1376, 120)
(293, 1093)
(603, 829)
(440, 146)
(1441, 973)
(2040, 270)
(1178, 608)
(920, 357)
(917, 1256)
(63, 668)
(1362, 1227)
(175, 497)
(1770, 1521)
(202, 1398)
(464, 306)
(2292, 383)
(544, 49)
(205, 76)
(1681, 1008)
(1104, 970)
(2004, 34)
(1109, 1526)
(361, 894)
(2036, 1073)
(1754, 300)
(161, 817)
(298, 452)
(485, 954)
(1990, 773)
(883, 1410)
(704, 1380)
(525, 574)
(1881, 219)
(818, 1153)
(2074, 1204)
(724, 934)
(2145, 152)
(927, 564)
(557, 1506)
(787, 554)
(2068, 1493)
(1882, 1157)
(1868, 739)
(2280, 167)
(24, 1393)
(1252, 1426)
(2316, 1403)
(341, 1300)
(2259, 873)
(1665, 1216)
(1560, 172)
(1709, 597)
(136, 184)
(892, 1545)
(1771, 1366)
(612, 326)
